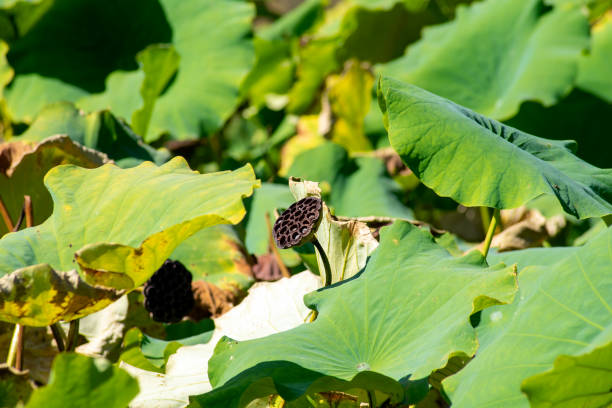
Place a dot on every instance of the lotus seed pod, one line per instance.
(168, 293)
(298, 223)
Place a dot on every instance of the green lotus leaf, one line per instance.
(574, 381)
(561, 308)
(360, 187)
(117, 226)
(79, 381)
(158, 64)
(216, 255)
(497, 54)
(29, 162)
(402, 318)
(594, 72)
(478, 161)
(214, 59)
(102, 131)
(89, 47)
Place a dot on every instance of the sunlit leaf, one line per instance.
(478, 161)
(27, 165)
(496, 54)
(546, 319)
(116, 227)
(402, 318)
(85, 382)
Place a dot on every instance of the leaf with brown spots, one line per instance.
(23, 166)
(110, 230)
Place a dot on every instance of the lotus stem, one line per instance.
(371, 399)
(58, 335)
(5, 216)
(485, 218)
(20, 220)
(490, 233)
(328, 276)
(27, 202)
(15, 354)
(73, 335)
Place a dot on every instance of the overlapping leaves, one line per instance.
(117, 226)
(546, 319)
(497, 54)
(26, 163)
(378, 328)
(99, 42)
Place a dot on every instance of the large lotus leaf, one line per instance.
(403, 317)
(360, 187)
(496, 55)
(347, 243)
(29, 162)
(158, 65)
(561, 308)
(582, 381)
(118, 226)
(79, 381)
(99, 130)
(478, 161)
(215, 58)
(594, 74)
(580, 116)
(218, 256)
(93, 38)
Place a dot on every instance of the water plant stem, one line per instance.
(5, 216)
(15, 354)
(328, 277)
(27, 203)
(372, 399)
(58, 335)
(485, 218)
(73, 334)
(490, 233)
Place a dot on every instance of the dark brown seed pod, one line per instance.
(168, 293)
(298, 223)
